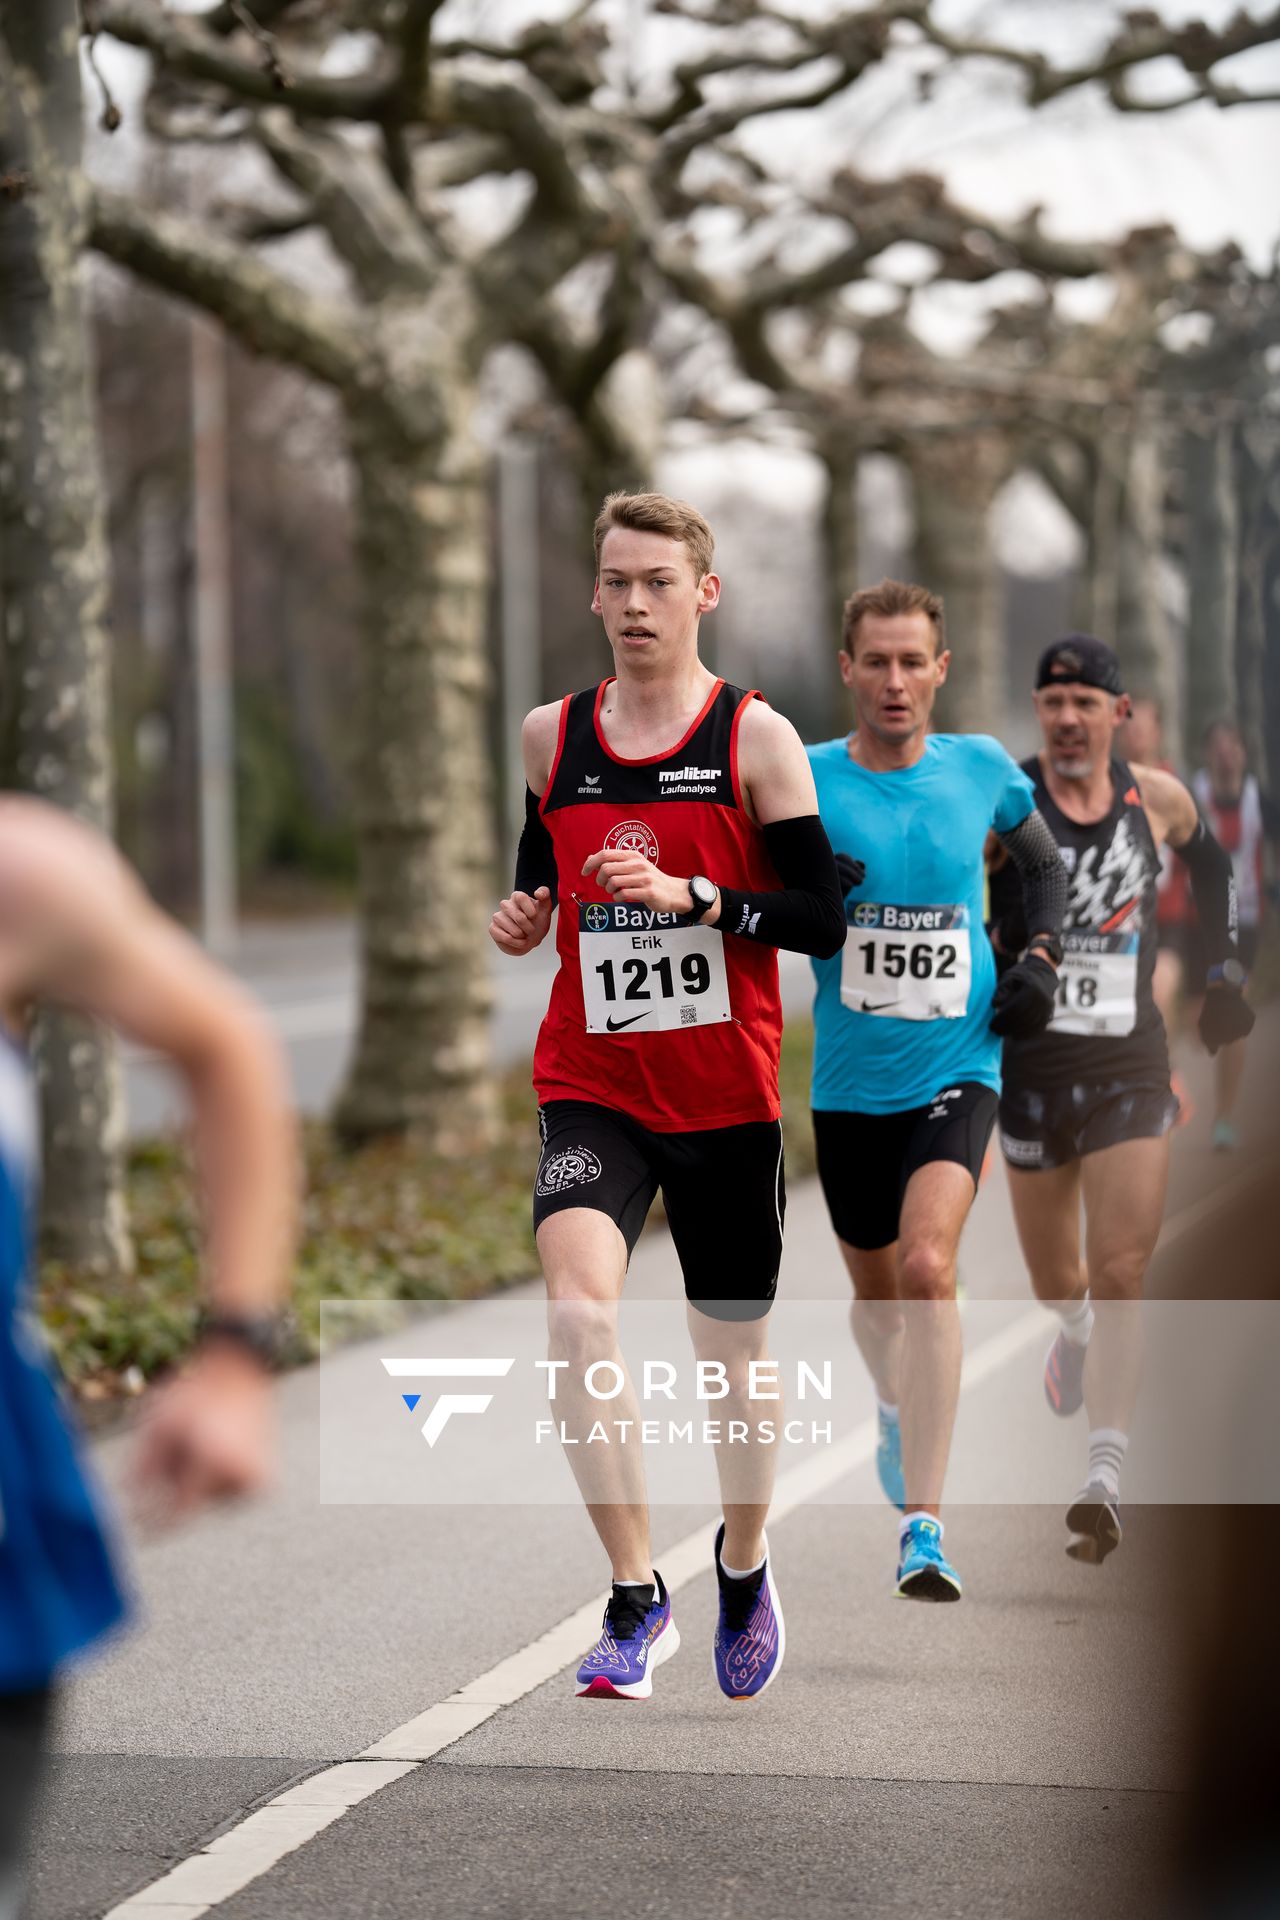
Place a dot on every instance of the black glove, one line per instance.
(851, 872)
(1022, 1004)
(1225, 1016)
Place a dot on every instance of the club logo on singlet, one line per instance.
(571, 1167)
(632, 836)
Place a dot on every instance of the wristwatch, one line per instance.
(1050, 943)
(264, 1335)
(1228, 973)
(703, 893)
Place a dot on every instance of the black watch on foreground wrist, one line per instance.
(1049, 944)
(262, 1335)
(1228, 973)
(703, 893)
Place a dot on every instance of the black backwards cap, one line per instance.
(1080, 658)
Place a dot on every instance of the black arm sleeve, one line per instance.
(535, 856)
(1213, 888)
(1043, 882)
(807, 916)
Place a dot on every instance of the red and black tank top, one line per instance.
(677, 1025)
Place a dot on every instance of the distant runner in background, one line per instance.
(1140, 742)
(1242, 818)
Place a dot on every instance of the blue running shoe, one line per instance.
(923, 1574)
(1094, 1519)
(638, 1636)
(889, 1461)
(1064, 1376)
(750, 1638)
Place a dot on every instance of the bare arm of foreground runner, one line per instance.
(80, 932)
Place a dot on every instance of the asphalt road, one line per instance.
(304, 974)
(1018, 1754)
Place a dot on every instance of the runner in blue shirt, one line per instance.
(906, 1067)
(76, 929)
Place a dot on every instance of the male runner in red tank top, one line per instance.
(673, 820)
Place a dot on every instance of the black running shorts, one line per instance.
(723, 1189)
(866, 1159)
(1061, 1124)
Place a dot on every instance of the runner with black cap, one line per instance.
(1086, 1106)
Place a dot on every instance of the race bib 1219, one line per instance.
(647, 972)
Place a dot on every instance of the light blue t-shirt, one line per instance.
(917, 954)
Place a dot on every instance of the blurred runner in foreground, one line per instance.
(77, 930)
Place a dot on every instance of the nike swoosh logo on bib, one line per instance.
(876, 1006)
(616, 1026)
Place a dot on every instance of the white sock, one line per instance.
(1077, 1321)
(650, 1582)
(744, 1573)
(888, 1410)
(908, 1519)
(1107, 1448)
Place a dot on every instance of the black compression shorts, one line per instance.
(723, 1189)
(1054, 1126)
(866, 1159)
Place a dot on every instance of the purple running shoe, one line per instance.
(639, 1634)
(750, 1638)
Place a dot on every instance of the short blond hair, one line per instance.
(885, 602)
(658, 513)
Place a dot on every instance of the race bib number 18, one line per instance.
(1097, 985)
(647, 972)
(907, 963)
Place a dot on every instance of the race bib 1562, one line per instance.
(647, 972)
(907, 963)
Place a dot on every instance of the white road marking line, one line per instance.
(254, 1846)
(258, 1842)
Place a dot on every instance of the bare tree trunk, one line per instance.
(1143, 638)
(1212, 574)
(423, 797)
(956, 480)
(1257, 616)
(840, 456)
(53, 582)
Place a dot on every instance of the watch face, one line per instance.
(1233, 973)
(702, 893)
